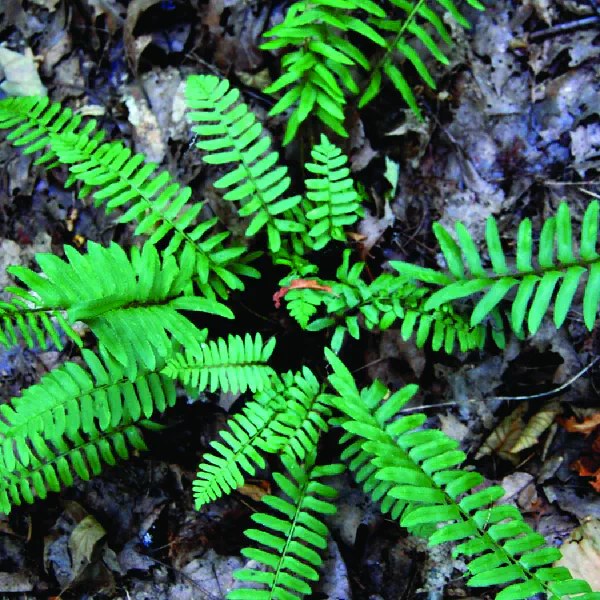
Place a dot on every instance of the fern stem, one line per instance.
(392, 46)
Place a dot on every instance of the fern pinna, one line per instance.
(72, 420)
(321, 31)
(131, 304)
(298, 535)
(289, 416)
(413, 471)
(559, 265)
(119, 178)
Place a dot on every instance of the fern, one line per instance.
(23, 315)
(535, 283)
(155, 200)
(235, 137)
(417, 467)
(129, 304)
(298, 428)
(49, 469)
(72, 410)
(220, 473)
(389, 299)
(325, 54)
(236, 365)
(336, 201)
(417, 14)
(296, 533)
(311, 73)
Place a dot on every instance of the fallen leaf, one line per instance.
(255, 491)
(505, 436)
(82, 543)
(21, 74)
(296, 284)
(586, 426)
(536, 426)
(581, 553)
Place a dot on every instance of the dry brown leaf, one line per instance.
(255, 491)
(505, 436)
(83, 541)
(537, 425)
(581, 553)
(586, 426)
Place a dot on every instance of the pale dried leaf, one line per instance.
(581, 553)
(537, 425)
(20, 74)
(505, 436)
(83, 541)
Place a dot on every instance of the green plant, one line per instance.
(321, 31)
(87, 412)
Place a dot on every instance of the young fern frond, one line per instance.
(121, 177)
(131, 305)
(297, 536)
(221, 472)
(417, 15)
(311, 73)
(297, 429)
(418, 467)
(22, 314)
(230, 133)
(536, 281)
(52, 465)
(332, 192)
(235, 365)
(389, 299)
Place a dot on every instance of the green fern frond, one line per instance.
(120, 177)
(22, 314)
(234, 365)
(419, 16)
(389, 299)
(312, 72)
(336, 201)
(51, 467)
(70, 420)
(535, 281)
(36, 122)
(417, 467)
(129, 304)
(292, 554)
(221, 472)
(297, 429)
(231, 134)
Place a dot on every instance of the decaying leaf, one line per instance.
(589, 423)
(255, 490)
(297, 284)
(20, 74)
(505, 436)
(537, 425)
(581, 553)
(82, 543)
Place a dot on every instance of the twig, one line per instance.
(564, 28)
(554, 391)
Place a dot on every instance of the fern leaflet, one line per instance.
(235, 137)
(296, 533)
(418, 468)
(233, 365)
(535, 283)
(129, 304)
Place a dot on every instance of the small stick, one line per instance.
(554, 391)
(564, 28)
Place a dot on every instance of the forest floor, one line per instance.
(512, 130)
